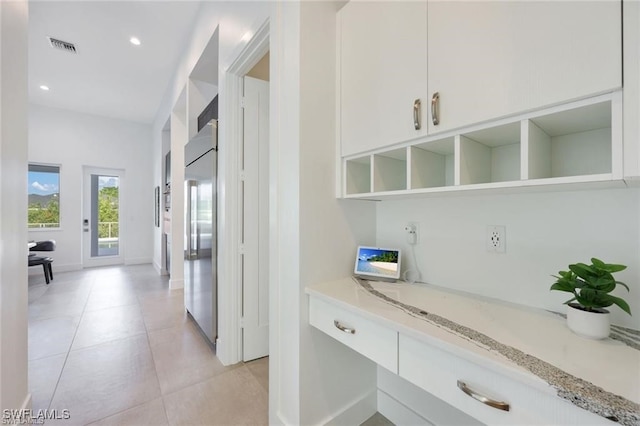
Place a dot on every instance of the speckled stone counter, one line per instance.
(602, 377)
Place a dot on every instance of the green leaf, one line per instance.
(619, 302)
(583, 271)
(623, 285)
(586, 299)
(601, 300)
(615, 268)
(591, 284)
(562, 286)
(569, 301)
(605, 283)
(579, 283)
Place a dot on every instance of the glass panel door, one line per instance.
(105, 208)
(101, 226)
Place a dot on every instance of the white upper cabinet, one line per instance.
(491, 59)
(382, 66)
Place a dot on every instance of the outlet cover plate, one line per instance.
(496, 239)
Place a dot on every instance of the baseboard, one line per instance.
(26, 405)
(137, 261)
(279, 420)
(159, 269)
(406, 400)
(56, 268)
(398, 413)
(175, 283)
(356, 412)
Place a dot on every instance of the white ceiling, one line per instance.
(108, 76)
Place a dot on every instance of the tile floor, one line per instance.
(114, 347)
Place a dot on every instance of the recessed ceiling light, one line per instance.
(45, 88)
(135, 41)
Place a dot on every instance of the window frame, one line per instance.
(45, 168)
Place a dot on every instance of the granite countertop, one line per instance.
(530, 345)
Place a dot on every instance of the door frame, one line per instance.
(87, 260)
(229, 345)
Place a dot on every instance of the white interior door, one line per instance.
(101, 213)
(255, 236)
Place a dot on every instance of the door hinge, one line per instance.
(241, 249)
(241, 322)
(242, 102)
(242, 176)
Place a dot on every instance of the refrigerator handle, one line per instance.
(189, 231)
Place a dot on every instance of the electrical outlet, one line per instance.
(412, 232)
(496, 239)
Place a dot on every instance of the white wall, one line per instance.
(13, 205)
(631, 95)
(544, 233)
(179, 132)
(236, 23)
(74, 140)
(313, 236)
(160, 149)
(235, 20)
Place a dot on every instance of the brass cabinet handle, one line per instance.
(435, 108)
(343, 328)
(479, 397)
(417, 113)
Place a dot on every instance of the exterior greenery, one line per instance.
(108, 212)
(44, 216)
(591, 285)
(48, 215)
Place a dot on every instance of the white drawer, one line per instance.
(438, 372)
(376, 342)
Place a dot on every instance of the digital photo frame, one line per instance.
(377, 264)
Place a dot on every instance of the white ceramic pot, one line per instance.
(592, 325)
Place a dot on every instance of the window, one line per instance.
(44, 196)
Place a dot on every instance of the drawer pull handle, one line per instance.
(343, 328)
(488, 401)
(435, 108)
(417, 113)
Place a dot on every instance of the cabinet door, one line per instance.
(382, 71)
(492, 59)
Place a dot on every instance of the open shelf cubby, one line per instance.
(358, 175)
(577, 143)
(490, 155)
(390, 170)
(432, 164)
(571, 143)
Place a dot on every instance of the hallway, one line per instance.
(113, 346)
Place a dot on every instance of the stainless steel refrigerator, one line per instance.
(200, 269)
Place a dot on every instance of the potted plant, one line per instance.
(590, 286)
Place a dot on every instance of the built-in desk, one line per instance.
(523, 358)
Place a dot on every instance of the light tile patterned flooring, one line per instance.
(115, 347)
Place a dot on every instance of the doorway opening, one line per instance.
(102, 217)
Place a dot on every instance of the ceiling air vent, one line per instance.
(62, 45)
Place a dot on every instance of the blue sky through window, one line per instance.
(43, 183)
(108, 182)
